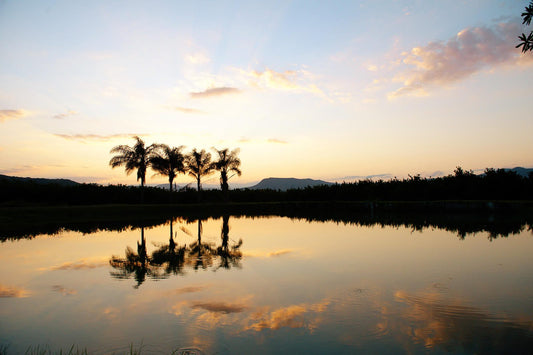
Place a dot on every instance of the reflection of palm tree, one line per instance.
(134, 263)
(199, 165)
(168, 161)
(226, 163)
(171, 255)
(136, 157)
(200, 254)
(229, 256)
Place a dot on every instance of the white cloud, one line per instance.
(66, 114)
(213, 92)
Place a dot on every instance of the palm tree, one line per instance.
(226, 163)
(168, 161)
(136, 157)
(199, 165)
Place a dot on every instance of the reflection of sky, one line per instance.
(302, 287)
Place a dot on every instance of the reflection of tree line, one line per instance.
(173, 258)
(499, 220)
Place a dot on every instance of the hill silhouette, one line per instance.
(285, 184)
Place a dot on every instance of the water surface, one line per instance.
(269, 285)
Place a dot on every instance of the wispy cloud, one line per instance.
(214, 92)
(470, 51)
(188, 110)
(280, 252)
(278, 141)
(197, 58)
(61, 116)
(12, 292)
(290, 80)
(6, 115)
(97, 137)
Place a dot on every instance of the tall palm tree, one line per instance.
(168, 161)
(199, 165)
(136, 157)
(227, 162)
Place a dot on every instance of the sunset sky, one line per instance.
(309, 89)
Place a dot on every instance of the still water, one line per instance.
(269, 285)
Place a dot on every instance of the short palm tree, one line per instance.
(227, 162)
(168, 161)
(136, 157)
(199, 165)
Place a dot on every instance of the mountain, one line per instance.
(287, 183)
(522, 171)
(42, 181)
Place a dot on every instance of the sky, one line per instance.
(328, 90)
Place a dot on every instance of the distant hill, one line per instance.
(287, 183)
(522, 171)
(42, 181)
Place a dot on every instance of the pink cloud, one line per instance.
(470, 51)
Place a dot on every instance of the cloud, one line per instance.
(60, 116)
(97, 137)
(64, 291)
(197, 58)
(289, 80)
(470, 51)
(188, 110)
(219, 307)
(6, 115)
(212, 92)
(12, 292)
(275, 140)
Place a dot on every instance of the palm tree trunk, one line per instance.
(199, 189)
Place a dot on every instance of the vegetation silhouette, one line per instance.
(136, 157)
(227, 162)
(168, 161)
(526, 42)
(199, 165)
(200, 255)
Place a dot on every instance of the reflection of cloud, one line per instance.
(263, 254)
(280, 252)
(63, 291)
(12, 292)
(66, 114)
(81, 264)
(214, 92)
(435, 322)
(295, 316)
(12, 114)
(219, 307)
(188, 110)
(188, 289)
(473, 49)
(97, 137)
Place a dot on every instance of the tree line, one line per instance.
(170, 161)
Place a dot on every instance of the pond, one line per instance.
(269, 285)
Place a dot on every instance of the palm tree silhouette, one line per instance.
(200, 255)
(199, 165)
(136, 157)
(168, 161)
(226, 163)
